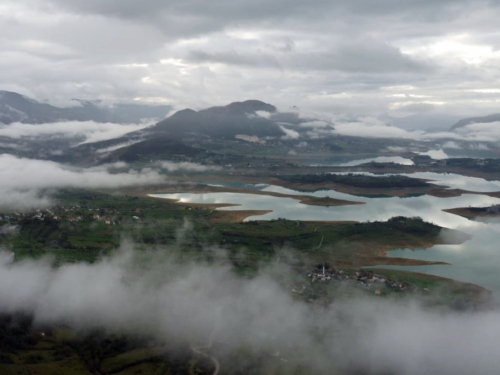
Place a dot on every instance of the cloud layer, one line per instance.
(372, 127)
(334, 56)
(88, 131)
(197, 301)
(23, 179)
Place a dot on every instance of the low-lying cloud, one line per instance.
(485, 132)
(289, 133)
(186, 166)
(87, 131)
(375, 128)
(170, 299)
(436, 154)
(24, 179)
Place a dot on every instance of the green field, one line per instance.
(87, 225)
(192, 234)
(154, 223)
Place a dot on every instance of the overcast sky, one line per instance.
(364, 57)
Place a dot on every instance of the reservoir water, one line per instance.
(476, 261)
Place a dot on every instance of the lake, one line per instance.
(476, 261)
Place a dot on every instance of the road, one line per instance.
(199, 350)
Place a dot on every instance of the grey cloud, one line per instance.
(26, 183)
(365, 56)
(106, 40)
(168, 299)
(23, 180)
(186, 166)
(234, 58)
(289, 133)
(416, 108)
(253, 10)
(285, 52)
(486, 132)
(473, 136)
(356, 56)
(90, 131)
(181, 19)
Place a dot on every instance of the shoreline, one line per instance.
(379, 251)
(438, 191)
(471, 214)
(371, 254)
(202, 189)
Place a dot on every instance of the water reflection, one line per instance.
(476, 261)
(379, 159)
(452, 180)
(347, 161)
(427, 207)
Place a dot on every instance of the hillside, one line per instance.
(160, 147)
(222, 122)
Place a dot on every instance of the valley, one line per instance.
(322, 221)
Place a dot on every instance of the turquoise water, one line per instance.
(347, 161)
(476, 261)
(379, 159)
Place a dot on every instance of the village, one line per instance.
(366, 279)
(66, 213)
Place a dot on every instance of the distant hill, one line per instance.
(18, 108)
(161, 146)
(222, 122)
(170, 139)
(179, 137)
(473, 120)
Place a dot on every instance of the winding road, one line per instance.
(199, 350)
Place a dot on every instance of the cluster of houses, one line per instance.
(71, 214)
(41, 215)
(367, 279)
(106, 218)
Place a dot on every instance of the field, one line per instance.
(88, 225)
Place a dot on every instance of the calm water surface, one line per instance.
(476, 261)
(379, 159)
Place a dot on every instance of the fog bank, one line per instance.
(172, 299)
(89, 131)
(23, 179)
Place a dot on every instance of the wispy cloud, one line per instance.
(168, 299)
(85, 131)
(23, 179)
(411, 56)
(186, 166)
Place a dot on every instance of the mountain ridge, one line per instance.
(15, 107)
(222, 121)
